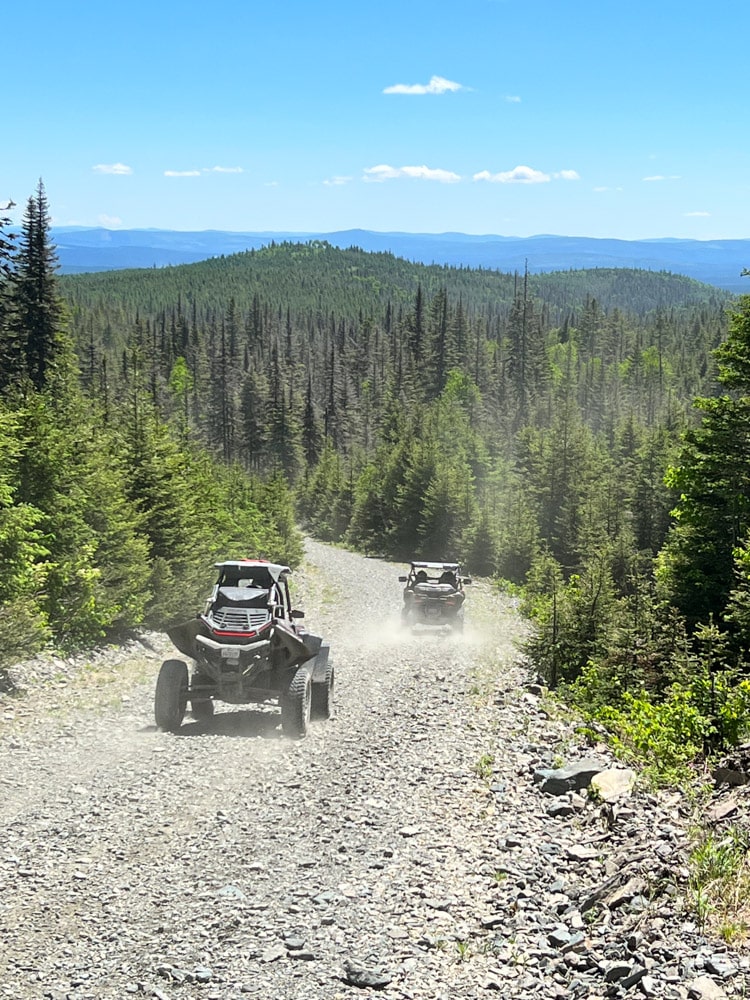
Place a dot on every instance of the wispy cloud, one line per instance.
(526, 175)
(112, 168)
(437, 85)
(205, 170)
(336, 181)
(697, 215)
(384, 172)
(518, 175)
(109, 220)
(662, 177)
(512, 99)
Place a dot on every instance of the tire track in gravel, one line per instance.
(226, 861)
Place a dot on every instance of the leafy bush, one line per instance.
(23, 632)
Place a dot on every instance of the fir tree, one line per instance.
(38, 309)
(712, 480)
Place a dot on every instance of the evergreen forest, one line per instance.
(582, 438)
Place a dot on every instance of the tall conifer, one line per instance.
(38, 313)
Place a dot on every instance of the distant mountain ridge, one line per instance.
(715, 262)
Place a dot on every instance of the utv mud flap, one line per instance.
(184, 636)
(320, 663)
(294, 648)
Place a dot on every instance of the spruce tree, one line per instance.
(38, 310)
(712, 480)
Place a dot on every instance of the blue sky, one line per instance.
(574, 117)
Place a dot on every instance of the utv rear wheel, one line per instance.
(322, 696)
(296, 703)
(170, 700)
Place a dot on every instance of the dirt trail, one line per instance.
(127, 851)
(226, 861)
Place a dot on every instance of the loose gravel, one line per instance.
(421, 844)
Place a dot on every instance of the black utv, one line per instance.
(247, 647)
(434, 595)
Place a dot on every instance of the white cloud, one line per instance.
(518, 175)
(437, 85)
(512, 99)
(567, 175)
(271, 184)
(383, 172)
(112, 168)
(662, 177)
(336, 181)
(697, 215)
(205, 170)
(109, 220)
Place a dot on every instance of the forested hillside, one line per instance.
(430, 409)
(541, 428)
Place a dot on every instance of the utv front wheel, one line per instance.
(296, 704)
(322, 696)
(170, 700)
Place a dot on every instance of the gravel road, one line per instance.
(403, 849)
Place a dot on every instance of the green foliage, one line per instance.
(665, 699)
(664, 737)
(279, 538)
(93, 562)
(573, 619)
(737, 613)
(484, 765)
(42, 351)
(195, 511)
(447, 509)
(667, 732)
(483, 546)
(719, 881)
(712, 514)
(23, 557)
(319, 496)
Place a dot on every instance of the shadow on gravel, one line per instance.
(244, 724)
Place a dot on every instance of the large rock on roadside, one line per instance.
(613, 784)
(570, 778)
